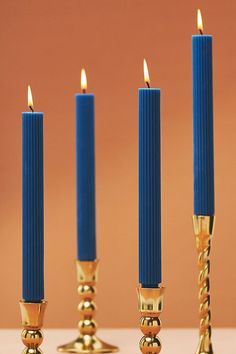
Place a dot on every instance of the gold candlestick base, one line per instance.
(87, 342)
(150, 306)
(32, 320)
(203, 229)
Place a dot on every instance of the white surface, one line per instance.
(174, 341)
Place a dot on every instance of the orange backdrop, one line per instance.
(45, 43)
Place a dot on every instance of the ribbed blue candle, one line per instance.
(86, 223)
(33, 207)
(203, 125)
(149, 188)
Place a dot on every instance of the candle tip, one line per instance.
(199, 21)
(146, 73)
(83, 81)
(30, 99)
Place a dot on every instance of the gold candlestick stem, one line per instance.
(87, 342)
(32, 321)
(203, 229)
(150, 307)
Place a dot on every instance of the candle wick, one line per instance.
(148, 84)
(83, 90)
(31, 108)
(201, 31)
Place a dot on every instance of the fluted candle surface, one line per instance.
(203, 125)
(33, 206)
(86, 223)
(149, 188)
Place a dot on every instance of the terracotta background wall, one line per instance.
(45, 43)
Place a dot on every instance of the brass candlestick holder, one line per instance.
(32, 320)
(87, 342)
(150, 306)
(203, 229)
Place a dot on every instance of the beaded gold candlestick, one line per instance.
(203, 229)
(150, 306)
(87, 342)
(32, 321)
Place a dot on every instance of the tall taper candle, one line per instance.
(33, 205)
(149, 186)
(203, 123)
(86, 223)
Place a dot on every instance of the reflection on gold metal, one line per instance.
(32, 320)
(203, 229)
(150, 306)
(87, 342)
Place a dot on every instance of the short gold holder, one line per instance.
(87, 342)
(203, 229)
(150, 306)
(32, 315)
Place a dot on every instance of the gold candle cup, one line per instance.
(32, 315)
(150, 302)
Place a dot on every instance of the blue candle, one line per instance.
(86, 223)
(33, 206)
(149, 186)
(203, 123)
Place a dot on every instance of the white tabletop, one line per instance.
(174, 341)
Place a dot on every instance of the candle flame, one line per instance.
(199, 21)
(83, 81)
(146, 74)
(30, 99)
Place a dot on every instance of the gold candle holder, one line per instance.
(32, 315)
(87, 342)
(150, 306)
(203, 229)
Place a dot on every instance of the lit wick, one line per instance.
(146, 74)
(199, 21)
(30, 99)
(83, 81)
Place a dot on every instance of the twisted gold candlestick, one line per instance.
(150, 306)
(32, 320)
(87, 342)
(203, 229)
